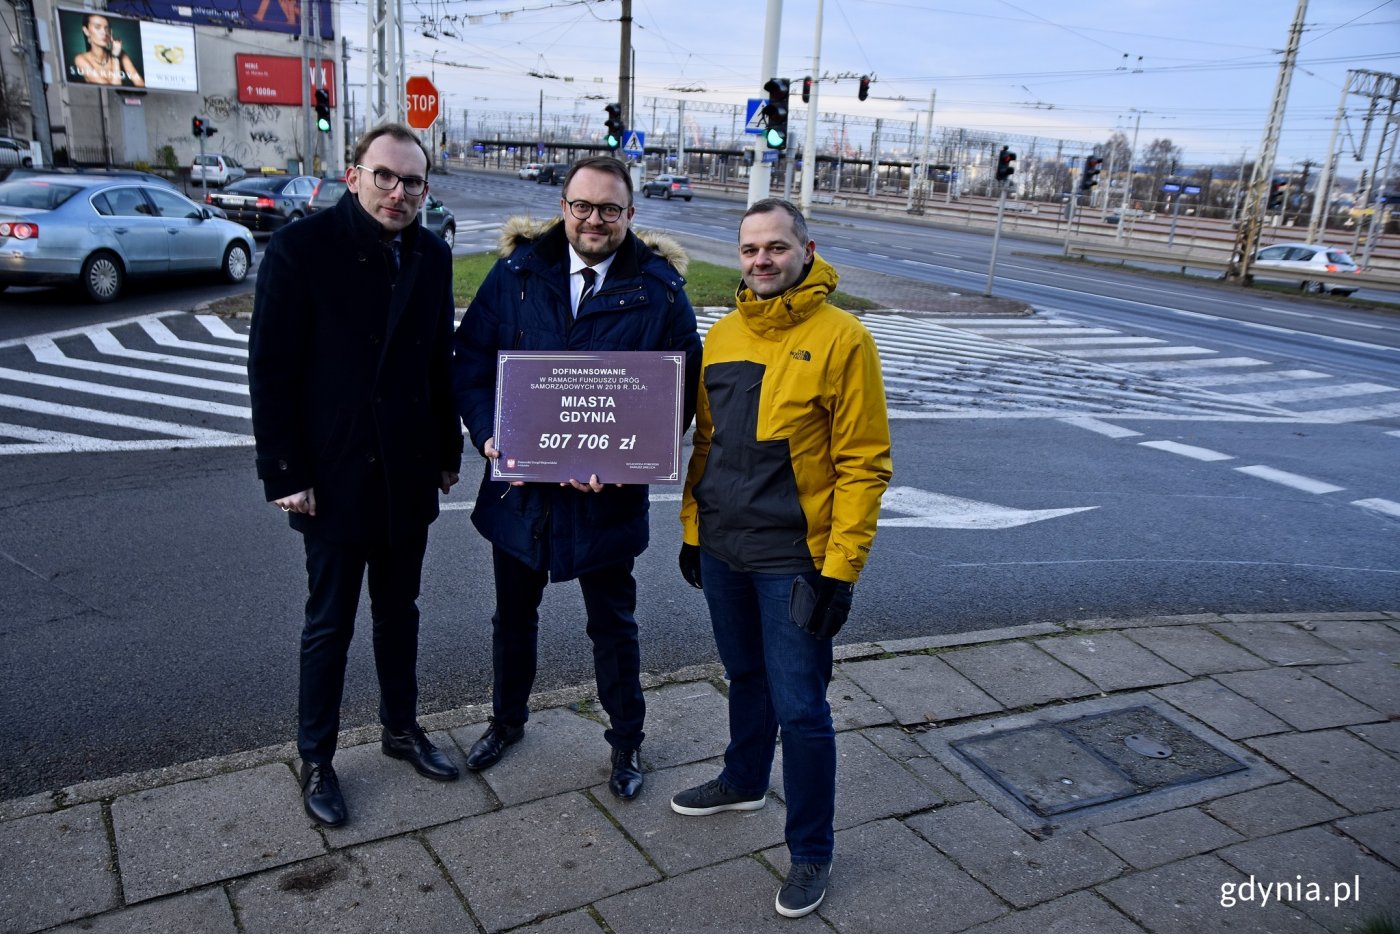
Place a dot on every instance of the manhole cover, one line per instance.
(1054, 768)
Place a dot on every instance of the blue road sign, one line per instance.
(1171, 187)
(770, 155)
(753, 122)
(633, 142)
(1192, 189)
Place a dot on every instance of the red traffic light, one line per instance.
(864, 87)
(1004, 167)
(806, 90)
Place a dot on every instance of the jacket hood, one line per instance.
(521, 231)
(767, 316)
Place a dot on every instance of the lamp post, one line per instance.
(1128, 182)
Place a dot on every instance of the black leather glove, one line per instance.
(829, 602)
(690, 564)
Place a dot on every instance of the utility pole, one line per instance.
(1128, 182)
(381, 86)
(921, 167)
(34, 76)
(759, 176)
(624, 68)
(809, 148)
(1247, 237)
(1323, 202)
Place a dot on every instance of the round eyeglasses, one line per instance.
(413, 186)
(583, 210)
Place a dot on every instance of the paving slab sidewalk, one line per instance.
(1301, 834)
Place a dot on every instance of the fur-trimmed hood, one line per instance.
(521, 230)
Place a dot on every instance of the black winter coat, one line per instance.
(524, 304)
(349, 369)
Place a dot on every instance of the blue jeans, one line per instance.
(778, 675)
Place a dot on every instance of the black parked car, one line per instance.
(265, 203)
(553, 173)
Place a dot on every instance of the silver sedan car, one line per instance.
(96, 232)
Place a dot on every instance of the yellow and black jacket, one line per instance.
(792, 438)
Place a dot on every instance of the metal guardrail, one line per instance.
(1187, 260)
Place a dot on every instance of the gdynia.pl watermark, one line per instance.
(1252, 892)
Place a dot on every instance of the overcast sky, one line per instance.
(1201, 71)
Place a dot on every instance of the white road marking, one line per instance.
(926, 510)
(1231, 379)
(218, 327)
(1385, 506)
(1211, 363)
(1141, 352)
(1103, 428)
(131, 395)
(1363, 413)
(105, 341)
(1307, 393)
(1070, 344)
(919, 509)
(133, 422)
(1187, 450)
(46, 351)
(165, 337)
(1283, 477)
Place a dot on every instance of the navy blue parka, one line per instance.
(524, 304)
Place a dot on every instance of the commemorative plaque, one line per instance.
(567, 416)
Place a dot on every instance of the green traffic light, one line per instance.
(774, 138)
(612, 141)
(323, 124)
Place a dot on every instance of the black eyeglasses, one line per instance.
(413, 186)
(583, 210)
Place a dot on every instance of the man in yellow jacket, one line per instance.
(791, 456)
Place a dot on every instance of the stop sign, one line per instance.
(423, 103)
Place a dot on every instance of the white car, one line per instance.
(530, 170)
(215, 168)
(1303, 258)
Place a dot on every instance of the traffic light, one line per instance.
(1277, 187)
(807, 90)
(197, 126)
(775, 113)
(323, 110)
(614, 129)
(1091, 173)
(864, 87)
(1004, 167)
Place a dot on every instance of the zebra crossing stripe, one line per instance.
(165, 337)
(46, 351)
(1308, 393)
(133, 422)
(106, 342)
(218, 327)
(131, 395)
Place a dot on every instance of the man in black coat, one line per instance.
(349, 368)
(584, 282)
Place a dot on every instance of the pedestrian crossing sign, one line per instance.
(632, 143)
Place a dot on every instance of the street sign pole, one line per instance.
(996, 238)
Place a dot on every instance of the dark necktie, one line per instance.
(394, 254)
(590, 278)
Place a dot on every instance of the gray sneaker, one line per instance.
(804, 889)
(711, 798)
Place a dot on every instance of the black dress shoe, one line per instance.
(626, 778)
(414, 746)
(487, 751)
(320, 794)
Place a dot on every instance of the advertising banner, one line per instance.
(104, 50)
(269, 15)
